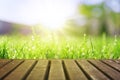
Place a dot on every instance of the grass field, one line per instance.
(35, 47)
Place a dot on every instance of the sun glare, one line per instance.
(53, 20)
(53, 16)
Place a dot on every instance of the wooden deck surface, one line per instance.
(59, 69)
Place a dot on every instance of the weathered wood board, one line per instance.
(59, 69)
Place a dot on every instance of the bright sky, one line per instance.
(47, 12)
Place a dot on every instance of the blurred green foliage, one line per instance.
(35, 47)
(100, 18)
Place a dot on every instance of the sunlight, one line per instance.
(53, 19)
(53, 16)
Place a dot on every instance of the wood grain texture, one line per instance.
(21, 71)
(92, 72)
(40, 71)
(112, 73)
(4, 62)
(73, 71)
(56, 69)
(112, 64)
(9, 68)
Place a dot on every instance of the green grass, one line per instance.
(35, 47)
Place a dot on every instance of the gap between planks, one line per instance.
(60, 70)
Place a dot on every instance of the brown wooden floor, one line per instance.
(59, 69)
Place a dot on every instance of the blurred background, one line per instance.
(73, 17)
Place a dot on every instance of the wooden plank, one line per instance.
(94, 73)
(4, 62)
(56, 71)
(73, 71)
(112, 64)
(117, 61)
(112, 73)
(40, 71)
(21, 71)
(8, 68)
